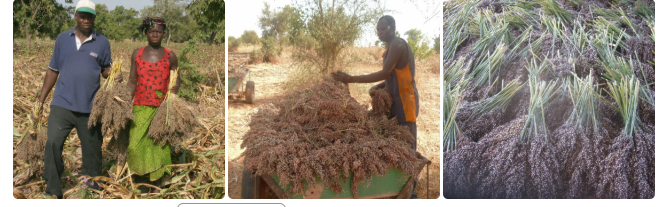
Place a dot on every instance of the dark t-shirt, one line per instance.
(79, 70)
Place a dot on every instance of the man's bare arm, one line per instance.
(106, 72)
(396, 50)
(49, 82)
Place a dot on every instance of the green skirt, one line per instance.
(145, 157)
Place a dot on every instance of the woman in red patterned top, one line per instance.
(149, 79)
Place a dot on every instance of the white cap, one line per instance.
(86, 6)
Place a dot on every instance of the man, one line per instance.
(399, 75)
(79, 56)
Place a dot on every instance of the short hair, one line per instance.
(150, 22)
(390, 21)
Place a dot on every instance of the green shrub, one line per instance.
(188, 73)
(270, 49)
(256, 57)
(418, 44)
(233, 44)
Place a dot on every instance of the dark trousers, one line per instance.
(412, 126)
(60, 123)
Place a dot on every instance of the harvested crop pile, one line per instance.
(322, 131)
(580, 125)
(112, 105)
(173, 121)
(628, 171)
(31, 151)
(381, 102)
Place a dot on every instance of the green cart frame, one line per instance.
(236, 87)
(395, 184)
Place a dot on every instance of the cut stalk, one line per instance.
(501, 99)
(540, 93)
(452, 100)
(173, 77)
(488, 65)
(584, 95)
(551, 7)
(625, 95)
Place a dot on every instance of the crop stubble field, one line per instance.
(197, 172)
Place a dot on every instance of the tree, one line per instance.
(31, 15)
(60, 22)
(210, 16)
(297, 30)
(274, 23)
(118, 24)
(436, 44)
(250, 37)
(418, 44)
(337, 24)
(130, 23)
(104, 23)
(233, 44)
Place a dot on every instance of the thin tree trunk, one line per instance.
(211, 38)
(27, 37)
(169, 35)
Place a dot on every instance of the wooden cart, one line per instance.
(236, 87)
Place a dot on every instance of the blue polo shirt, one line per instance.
(79, 69)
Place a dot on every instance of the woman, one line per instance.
(148, 82)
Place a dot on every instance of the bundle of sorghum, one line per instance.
(31, 150)
(112, 105)
(322, 131)
(173, 120)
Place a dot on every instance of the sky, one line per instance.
(243, 15)
(135, 4)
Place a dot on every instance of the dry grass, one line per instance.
(195, 173)
(248, 48)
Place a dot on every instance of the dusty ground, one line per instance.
(269, 81)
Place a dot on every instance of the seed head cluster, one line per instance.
(322, 131)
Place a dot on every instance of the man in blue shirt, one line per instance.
(79, 58)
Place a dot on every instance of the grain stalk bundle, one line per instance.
(559, 139)
(323, 132)
(30, 149)
(112, 105)
(173, 121)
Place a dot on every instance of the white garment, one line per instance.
(78, 43)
